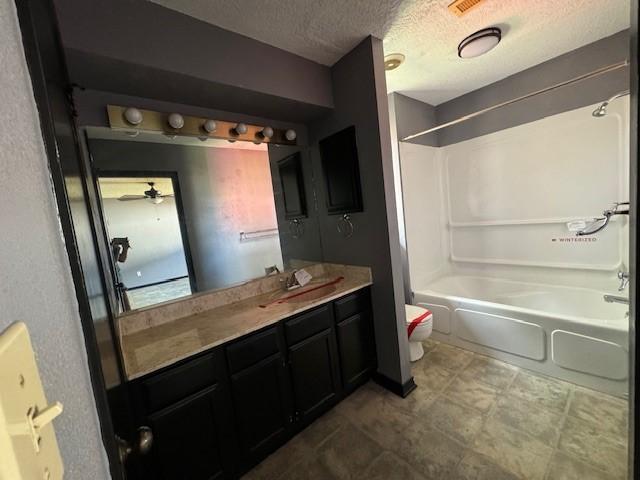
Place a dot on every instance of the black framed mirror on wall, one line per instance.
(341, 170)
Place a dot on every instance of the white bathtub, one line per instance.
(568, 333)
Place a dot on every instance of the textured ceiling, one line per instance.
(424, 30)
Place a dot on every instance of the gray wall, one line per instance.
(37, 287)
(308, 246)
(412, 117)
(361, 100)
(219, 259)
(140, 48)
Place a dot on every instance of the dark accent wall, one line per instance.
(308, 246)
(413, 116)
(360, 100)
(140, 48)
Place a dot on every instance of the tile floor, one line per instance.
(471, 417)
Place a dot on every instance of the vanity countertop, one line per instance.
(149, 349)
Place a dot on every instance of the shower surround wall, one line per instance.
(503, 200)
(492, 254)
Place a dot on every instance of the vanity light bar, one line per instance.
(135, 119)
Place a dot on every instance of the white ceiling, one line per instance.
(424, 30)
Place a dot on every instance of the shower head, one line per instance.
(601, 111)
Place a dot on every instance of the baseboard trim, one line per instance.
(402, 390)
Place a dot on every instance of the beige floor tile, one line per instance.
(458, 422)
(280, 461)
(310, 469)
(601, 410)
(449, 357)
(595, 446)
(322, 429)
(417, 402)
(431, 453)
(348, 453)
(389, 466)
(545, 392)
(564, 467)
(491, 371)
(432, 377)
(513, 450)
(478, 467)
(540, 423)
(429, 345)
(472, 393)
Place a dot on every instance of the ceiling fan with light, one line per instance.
(152, 195)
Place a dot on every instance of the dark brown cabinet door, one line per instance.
(262, 409)
(356, 347)
(190, 440)
(314, 375)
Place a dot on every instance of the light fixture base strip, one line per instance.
(464, 118)
(157, 122)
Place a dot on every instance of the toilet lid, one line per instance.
(415, 316)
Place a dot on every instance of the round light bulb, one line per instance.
(176, 120)
(290, 135)
(210, 126)
(267, 132)
(133, 116)
(241, 128)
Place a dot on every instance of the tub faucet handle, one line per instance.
(624, 280)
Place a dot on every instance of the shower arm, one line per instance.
(606, 217)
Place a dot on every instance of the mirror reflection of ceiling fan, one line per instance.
(152, 195)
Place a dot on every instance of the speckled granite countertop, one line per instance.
(148, 348)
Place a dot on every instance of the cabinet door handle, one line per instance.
(142, 444)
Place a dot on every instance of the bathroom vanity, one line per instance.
(222, 388)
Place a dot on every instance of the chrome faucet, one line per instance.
(616, 299)
(289, 281)
(624, 280)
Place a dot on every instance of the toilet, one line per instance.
(419, 326)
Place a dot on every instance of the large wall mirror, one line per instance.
(183, 216)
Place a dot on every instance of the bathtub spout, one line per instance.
(616, 299)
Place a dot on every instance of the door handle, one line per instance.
(141, 446)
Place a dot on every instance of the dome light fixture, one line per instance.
(240, 129)
(133, 116)
(393, 61)
(209, 126)
(266, 132)
(176, 121)
(480, 42)
(290, 135)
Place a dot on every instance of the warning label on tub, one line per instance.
(575, 239)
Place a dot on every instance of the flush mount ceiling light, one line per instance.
(479, 43)
(393, 61)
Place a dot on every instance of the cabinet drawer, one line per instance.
(351, 304)
(251, 350)
(177, 383)
(308, 323)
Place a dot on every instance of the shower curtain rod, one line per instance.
(464, 118)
